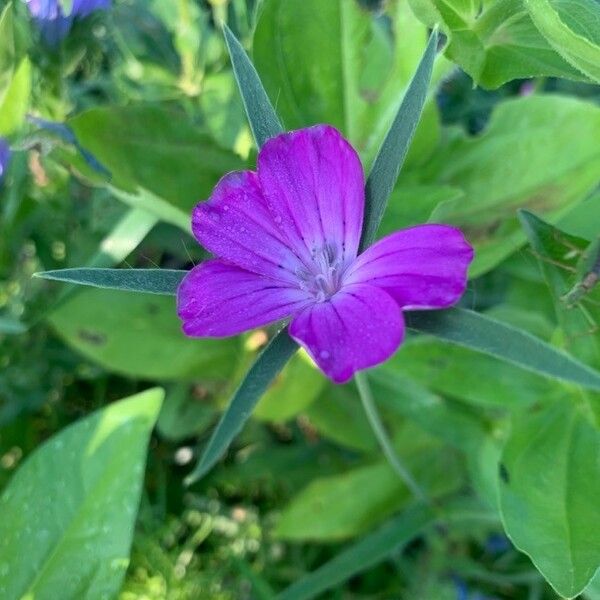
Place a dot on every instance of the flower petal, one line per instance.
(216, 299)
(235, 224)
(314, 185)
(421, 267)
(358, 327)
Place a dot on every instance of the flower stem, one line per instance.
(364, 391)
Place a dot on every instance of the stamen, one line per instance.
(322, 278)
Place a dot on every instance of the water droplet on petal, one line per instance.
(324, 354)
(277, 219)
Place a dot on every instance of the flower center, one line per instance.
(322, 278)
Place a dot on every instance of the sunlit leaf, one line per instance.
(569, 27)
(549, 490)
(139, 335)
(69, 512)
(494, 42)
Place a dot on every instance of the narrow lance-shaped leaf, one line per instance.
(264, 124)
(366, 553)
(263, 371)
(460, 326)
(152, 281)
(478, 332)
(262, 117)
(390, 158)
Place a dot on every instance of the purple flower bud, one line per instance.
(4, 156)
(53, 23)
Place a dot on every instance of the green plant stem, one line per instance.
(364, 391)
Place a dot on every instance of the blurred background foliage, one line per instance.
(121, 129)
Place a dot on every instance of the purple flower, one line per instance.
(287, 239)
(52, 21)
(4, 156)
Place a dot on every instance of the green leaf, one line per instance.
(154, 149)
(139, 335)
(449, 421)
(466, 374)
(558, 255)
(360, 65)
(262, 117)
(152, 281)
(592, 591)
(7, 50)
(183, 415)
(413, 203)
(68, 514)
(293, 390)
(16, 99)
(349, 504)
(390, 158)
(476, 331)
(561, 31)
(372, 549)
(339, 416)
(539, 152)
(272, 359)
(494, 42)
(549, 492)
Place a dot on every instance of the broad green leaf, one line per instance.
(539, 152)
(152, 281)
(412, 204)
(339, 416)
(348, 504)
(451, 422)
(372, 549)
(223, 108)
(476, 331)
(389, 160)
(262, 117)
(568, 32)
(68, 514)
(139, 335)
(549, 492)
(183, 415)
(494, 41)
(16, 99)
(268, 364)
(156, 149)
(293, 390)
(592, 591)
(355, 67)
(467, 375)
(7, 50)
